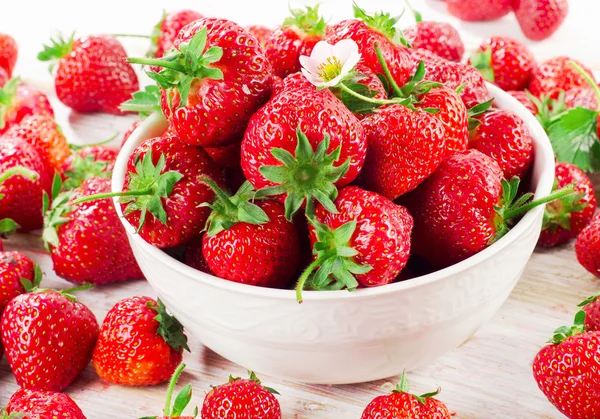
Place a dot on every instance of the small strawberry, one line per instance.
(296, 37)
(587, 246)
(591, 306)
(168, 28)
(525, 99)
(539, 19)
(402, 404)
(504, 61)
(18, 101)
(261, 33)
(241, 399)
(153, 348)
(566, 370)
(18, 274)
(87, 162)
(92, 73)
(213, 80)
(8, 53)
(42, 405)
(51, 363)
(566, 217)
(479, 10)
(555, 75)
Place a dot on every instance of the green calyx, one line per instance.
(8, 227)
(181, 67)
(14, 415)
(383, 23)
(404, 387)
(169, 327)
(7, 96)
(58, 48)
(55, 214)
(588, 300)
(227, 210)
(307, 20)
(333, 260)
(564, 332)
(306, 177)
(476, 111)
(548, 109)
(482, 61)
(558, 213)
(32, 286)
(84, 168)
(252, 377)
(181, 400)
(145, 102)
(17, 171)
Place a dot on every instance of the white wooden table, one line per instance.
(488, 377)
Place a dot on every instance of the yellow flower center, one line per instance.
(330, 69)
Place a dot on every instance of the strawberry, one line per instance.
(555, 75)
(440, 38)
(503, 136)
(261, 33)
(86, 240)
(42, 405)
(566, 217)
(16, 271)
(591, 306)
(228, 158)
(153, 348)
(258, 232)
(51, 363)
(587, 246)
(374, 31)
(18, 101)
(213, 80)
(21, 191)
(181, 400)
(168, 28)
(3, 77)
(479, 10)
(525, 100)
(566, 370)
(296, 37)
(583, 97)
(241, 399)
(539, 19)
(504, 61)
(87, 162)
(92, 73)
(402, 404)
(42, 132)
(8, 53)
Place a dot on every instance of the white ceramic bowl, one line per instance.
(340, 337)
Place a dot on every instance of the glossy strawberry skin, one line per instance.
(261, 33)
(170, 26)
(240, 399)
(440, 38)
(44, 405)
(13, 267)
(382, 235)
(185, 220)
(405, 147)
(22, 199)
(217, 111)
(479, 10)
(8, 53)
(27, 101)
(587, 246)
(130, 351)
(451, 225)
(522, 97)
(100, 153)
(95, 76)
(539, 19)
(555, 75)
(567, 374)
(452, 112)
(504, 137)
(52, 363)
(566, 174)
(404, 405)
(284, 48)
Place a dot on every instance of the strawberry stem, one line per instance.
(143, 192)
(158, 63)
(167, 412)
(589, 79)
(370, 99)
(129, 35)
(305, 275)
(514, 212)
(18, 171)
(387, 72)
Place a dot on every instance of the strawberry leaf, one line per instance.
(482, 61)
(84, 168)
(588, 300)
(7, 96)
(564, 332)
(58, 48)
(476, 111)
(144, 102)
(308, 21)
(381, 22)
(355, 104)
(55, 215)
(169, 327)
(8, 227)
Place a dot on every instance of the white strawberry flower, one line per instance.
(329, 64)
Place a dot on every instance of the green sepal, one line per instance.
(417, 85)
(31, 286)
(55, 214)
(145, 102)
(169, 327)
(7, 96)
(355, 104)
(564, 332)
(588, 300)
(558, 213)
(403, 387)
(476, 111)
(383, 23)
(8, 227)
(58, 48)
(252, 376)
(307, 20)
(84, 168)
(181, 400)
(14, 415)
(482, 61)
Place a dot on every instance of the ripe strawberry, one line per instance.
(14, 268)
(18, 101)
(583, 97)
(214, 80)
(241, 399)
(374, 31)
(296, 37)
(479, 10)
(440, 38)
(591, 306)
(181, 400)
(168, 28)
(525, 100)
(51, 363)
(261, 33)
(504, 61)
(87, 162)
(566, 370)
(566, 217)
(21, 193)
(453, 114)
(555, 75)
(153, 348)
(587, 246)
(8, 53)
(92, 74)
(43, 405)
(42, 132)
(402, 404)
(503, 136)
(539, 19)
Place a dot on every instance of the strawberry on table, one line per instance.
(555, 75)
(479, 10)
(42, 405)
(86, 162)
(587, 246)
(153, 348)
(539, 19)
(18, 100)
(8, 53)
(181, 400)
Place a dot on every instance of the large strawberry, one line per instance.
(438, 37)
(18, 100)
(42, 405)
(539, 19)
(587, 246)
(8, 53)
(181, 400)
(566, 217)
(213, 80)
(555, 75)
(168, 28)
(479, 10)
(152, 350)
(51, 363)
(296, 37)
(87, 162)
(241, 399)
(92, 73)
(566, 370)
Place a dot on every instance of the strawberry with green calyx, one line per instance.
(18, 100)
(88, 162)
(145, 102)
(476, 111)
(13, 415)
(41, 405)
(181, 400)
(591, 306)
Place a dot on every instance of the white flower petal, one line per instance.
(321, 51)
(350, 63)
(310, 64)
(332, 82)
(344, 49)
(311, 78)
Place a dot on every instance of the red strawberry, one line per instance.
(228, 158)
(43, 405)
(87, 162)
(587, 246)
(566, 370)
(8, 53)
(51, 363)
(261, 33)
(504, 61)
(18, 101)
(218, 78)
(86, 240)
(92, 74)
(555, 75)
(566, 217)
(453, 114)
(539, 19)
(438, 37)
(194, 257)
(591, 306)
(503, 136)
(14, 267)
(296, 37)
(241, 399)
(479, 10)
(375, 31)
(153, 348)
(22, 193)
(181, 400)
(584, 97)
(402, 404)
(168, 28)
(525, 100)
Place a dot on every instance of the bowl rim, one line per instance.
(543, 155)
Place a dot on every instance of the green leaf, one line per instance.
(381, 22)
(252, 214)
(181, 401)
(308, 20)
(355, 104)
(8, 227)
(58, 48)
(144, 102)
(588, 300)
(169, 327)
(482, 61)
